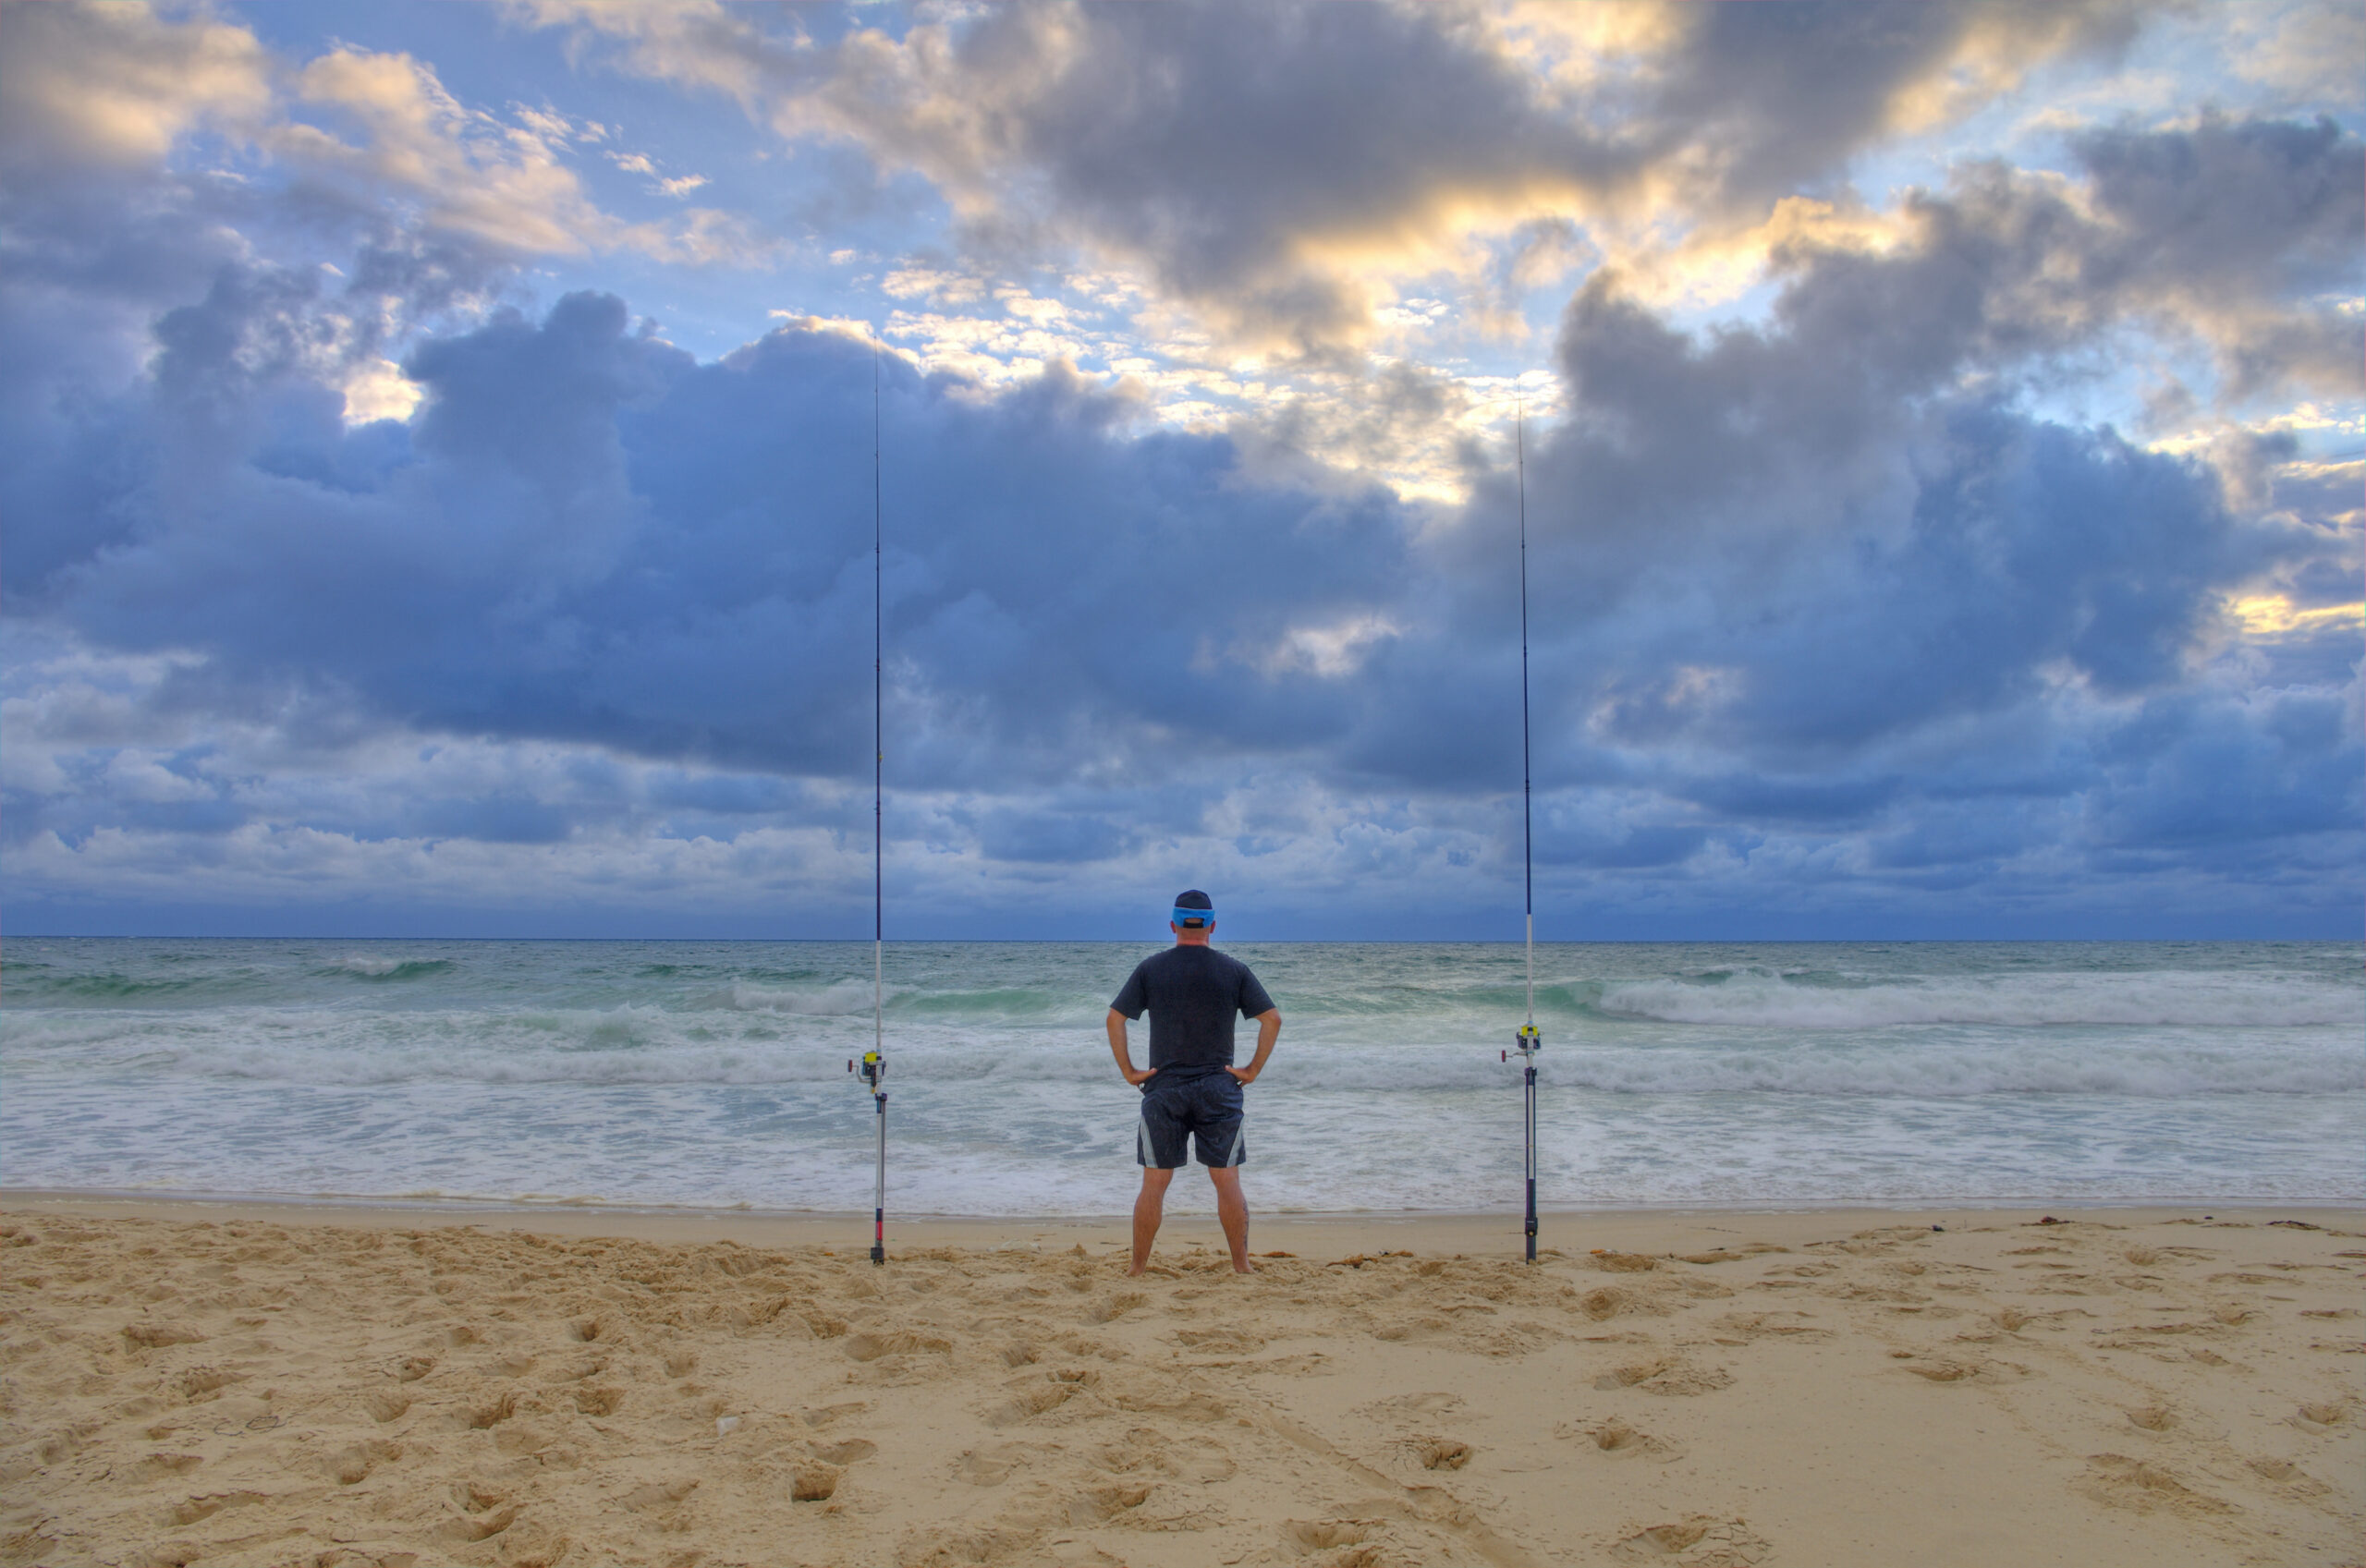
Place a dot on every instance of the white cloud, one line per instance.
(121, 85)
(1333, 651)
(2312, 53)
(377, 389)
(942, 286)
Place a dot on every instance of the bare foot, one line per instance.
(1137, 1271)
(1244, 1268)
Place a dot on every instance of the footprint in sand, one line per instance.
(1945, 1371)
(2117, 1481)
(491, 1413)
(1762, 1325)
(656, 1496)
(1625, 1262)
(1614, 1439)
(829, 1412)
(1611, 1301)
(1100, 1505)
(872, 1347)
(1700, 1540)
(351, 1464)
(1109, 1309)
(814, 1481)
(1029, 1401)
(155, 1336)
(193, 1510)
(851, 1450)
(1427, 1452)
(1182, 1455)
(1668, 1376)
(1331, 1535)
(1408, 1405)
(1952, 1369)
(386, 1405)
(989, 1465)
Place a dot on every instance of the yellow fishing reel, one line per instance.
(1526, 1040)
(874, 1068)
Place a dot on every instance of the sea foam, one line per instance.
(717, 1072)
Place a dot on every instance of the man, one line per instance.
(1191, 1090)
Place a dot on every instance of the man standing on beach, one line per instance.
(1191, 1090)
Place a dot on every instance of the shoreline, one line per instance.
(1562, 1231)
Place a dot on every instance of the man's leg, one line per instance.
(1232, 1208)
(1150, 1206)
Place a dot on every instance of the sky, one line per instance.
(437, 481)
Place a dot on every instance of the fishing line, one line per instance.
(1527, 1040)
(873, 1070)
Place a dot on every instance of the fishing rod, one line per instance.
(1527, 1041)
(873, 1070)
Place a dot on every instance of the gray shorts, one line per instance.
(1206, 1107)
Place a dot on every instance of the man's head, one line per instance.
(1194, 917)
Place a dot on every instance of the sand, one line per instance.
(274, 1386)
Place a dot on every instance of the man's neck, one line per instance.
(1192, 938)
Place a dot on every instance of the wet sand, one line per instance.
(274, 1384)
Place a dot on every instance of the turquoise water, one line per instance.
(713, 1074)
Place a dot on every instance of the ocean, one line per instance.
(713, 1074)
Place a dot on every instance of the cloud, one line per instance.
(375, 580)
(115, 87)
(506, 187)
(2244, 231)
(1238, 155)
(1905, 614)
(2306, 52)
(1913, 547)
(640, 163)
(141, 151)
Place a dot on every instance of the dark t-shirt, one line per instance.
(1192, 994)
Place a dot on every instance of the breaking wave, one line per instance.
(2165, 1000)
(370, 966)
(806, 1042)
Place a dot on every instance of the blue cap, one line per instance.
(1194, 908)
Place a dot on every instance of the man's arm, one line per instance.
(1269, 1030)
(1124, 1057)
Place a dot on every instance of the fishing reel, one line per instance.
(874, 1068)
(1527, 1041)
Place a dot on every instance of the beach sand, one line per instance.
(259, 1385)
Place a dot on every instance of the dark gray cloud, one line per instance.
(1784, 94)
(1246, 152)
(2246, 231)
(2264, 208)
(586, 535)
